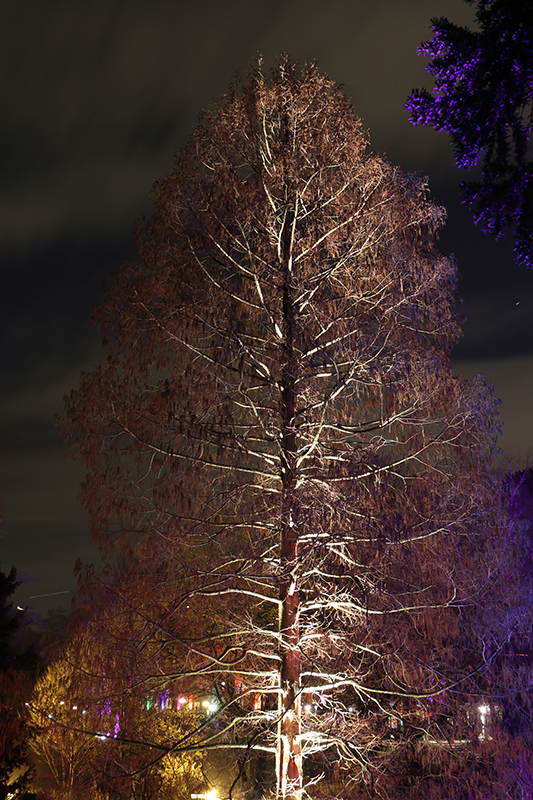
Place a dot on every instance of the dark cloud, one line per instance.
(97, 95)
(513, 379)
(499, 325)
(45, 329)
(45, 555)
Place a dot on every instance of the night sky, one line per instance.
(95, 97)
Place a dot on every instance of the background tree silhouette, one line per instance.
(278, 444)
(19, 666)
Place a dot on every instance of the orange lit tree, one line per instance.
(90, 741)
(278, 439)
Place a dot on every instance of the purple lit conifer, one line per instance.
(483, 100)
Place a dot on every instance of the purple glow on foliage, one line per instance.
(482, 100)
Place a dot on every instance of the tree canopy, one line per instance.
(482, 99)
(292, 480)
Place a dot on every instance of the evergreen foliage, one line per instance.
(19, 666)
(482, 100)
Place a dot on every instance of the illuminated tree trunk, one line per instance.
(290, 779)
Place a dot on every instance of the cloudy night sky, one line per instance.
(95, 97)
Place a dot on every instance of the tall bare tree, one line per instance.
(278, 438)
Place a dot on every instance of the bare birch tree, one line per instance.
(278, 438)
